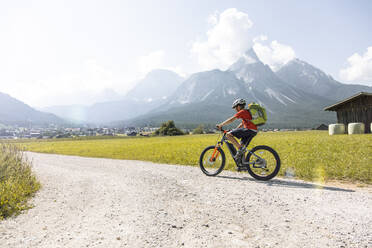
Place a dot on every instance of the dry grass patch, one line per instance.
(17, 182)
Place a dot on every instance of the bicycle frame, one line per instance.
(232, 150)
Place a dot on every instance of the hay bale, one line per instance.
(355, 128)
(336, 129)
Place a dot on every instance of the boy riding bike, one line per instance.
(262, 162)
(244, 131)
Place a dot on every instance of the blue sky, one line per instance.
(63, 52)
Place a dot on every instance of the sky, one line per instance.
(74, 52)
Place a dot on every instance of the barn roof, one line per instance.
(335, 106)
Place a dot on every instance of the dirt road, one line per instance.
(90, 202)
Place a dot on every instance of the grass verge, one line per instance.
(17, 182)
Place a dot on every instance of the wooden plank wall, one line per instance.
(359, 110)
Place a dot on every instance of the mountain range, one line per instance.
(294, 96)
(15, 112)
(149, 93)
(312, 80)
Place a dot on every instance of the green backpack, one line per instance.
(258, 114)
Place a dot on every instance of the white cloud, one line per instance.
(359, 69)
(230, 37)
(213, 19)
(259, 38)
(275, 55)
(227, 39)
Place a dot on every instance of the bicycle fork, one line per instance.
(215, 154)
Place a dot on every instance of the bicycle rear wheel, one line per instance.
(265, 165)
(212, 165)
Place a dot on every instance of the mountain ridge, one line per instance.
(16, 112)
(313, 80)
(294, 96)
(247, 78)
(149, 93)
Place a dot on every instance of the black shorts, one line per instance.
(244, 134)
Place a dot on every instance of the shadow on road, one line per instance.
(289, 184)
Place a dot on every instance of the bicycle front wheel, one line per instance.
(264, 163)
(212, 162)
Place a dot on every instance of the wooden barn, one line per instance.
(357, 108)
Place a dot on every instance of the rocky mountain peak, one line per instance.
(255, 74)
(157, 84)
(208, 86)
(249, 57)
(307, 77)
(304, 67)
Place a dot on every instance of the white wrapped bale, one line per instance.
(336, 129)
(355, 128)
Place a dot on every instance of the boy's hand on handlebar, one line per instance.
(219, 127)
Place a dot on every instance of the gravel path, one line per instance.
(90, 202)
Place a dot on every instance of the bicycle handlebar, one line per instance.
(222, 130)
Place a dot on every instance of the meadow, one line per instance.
(308, 155)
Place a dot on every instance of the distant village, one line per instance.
(68, 132)
(54, 132)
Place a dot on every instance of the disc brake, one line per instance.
(261, 163)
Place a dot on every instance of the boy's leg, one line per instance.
(231, 138)
(245, 135)
(239, 133)
(248, 136)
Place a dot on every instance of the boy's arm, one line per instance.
(228, 121)
(240, 125)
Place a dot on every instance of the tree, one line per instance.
(198, 130)
(168, 129)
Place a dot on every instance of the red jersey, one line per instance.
(246, 117)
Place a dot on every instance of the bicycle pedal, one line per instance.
(242, 168)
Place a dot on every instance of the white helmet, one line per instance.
(239, 101)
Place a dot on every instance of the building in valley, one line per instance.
(357, 108)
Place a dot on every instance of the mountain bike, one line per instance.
(262, 162)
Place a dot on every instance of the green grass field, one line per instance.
(312, 155)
